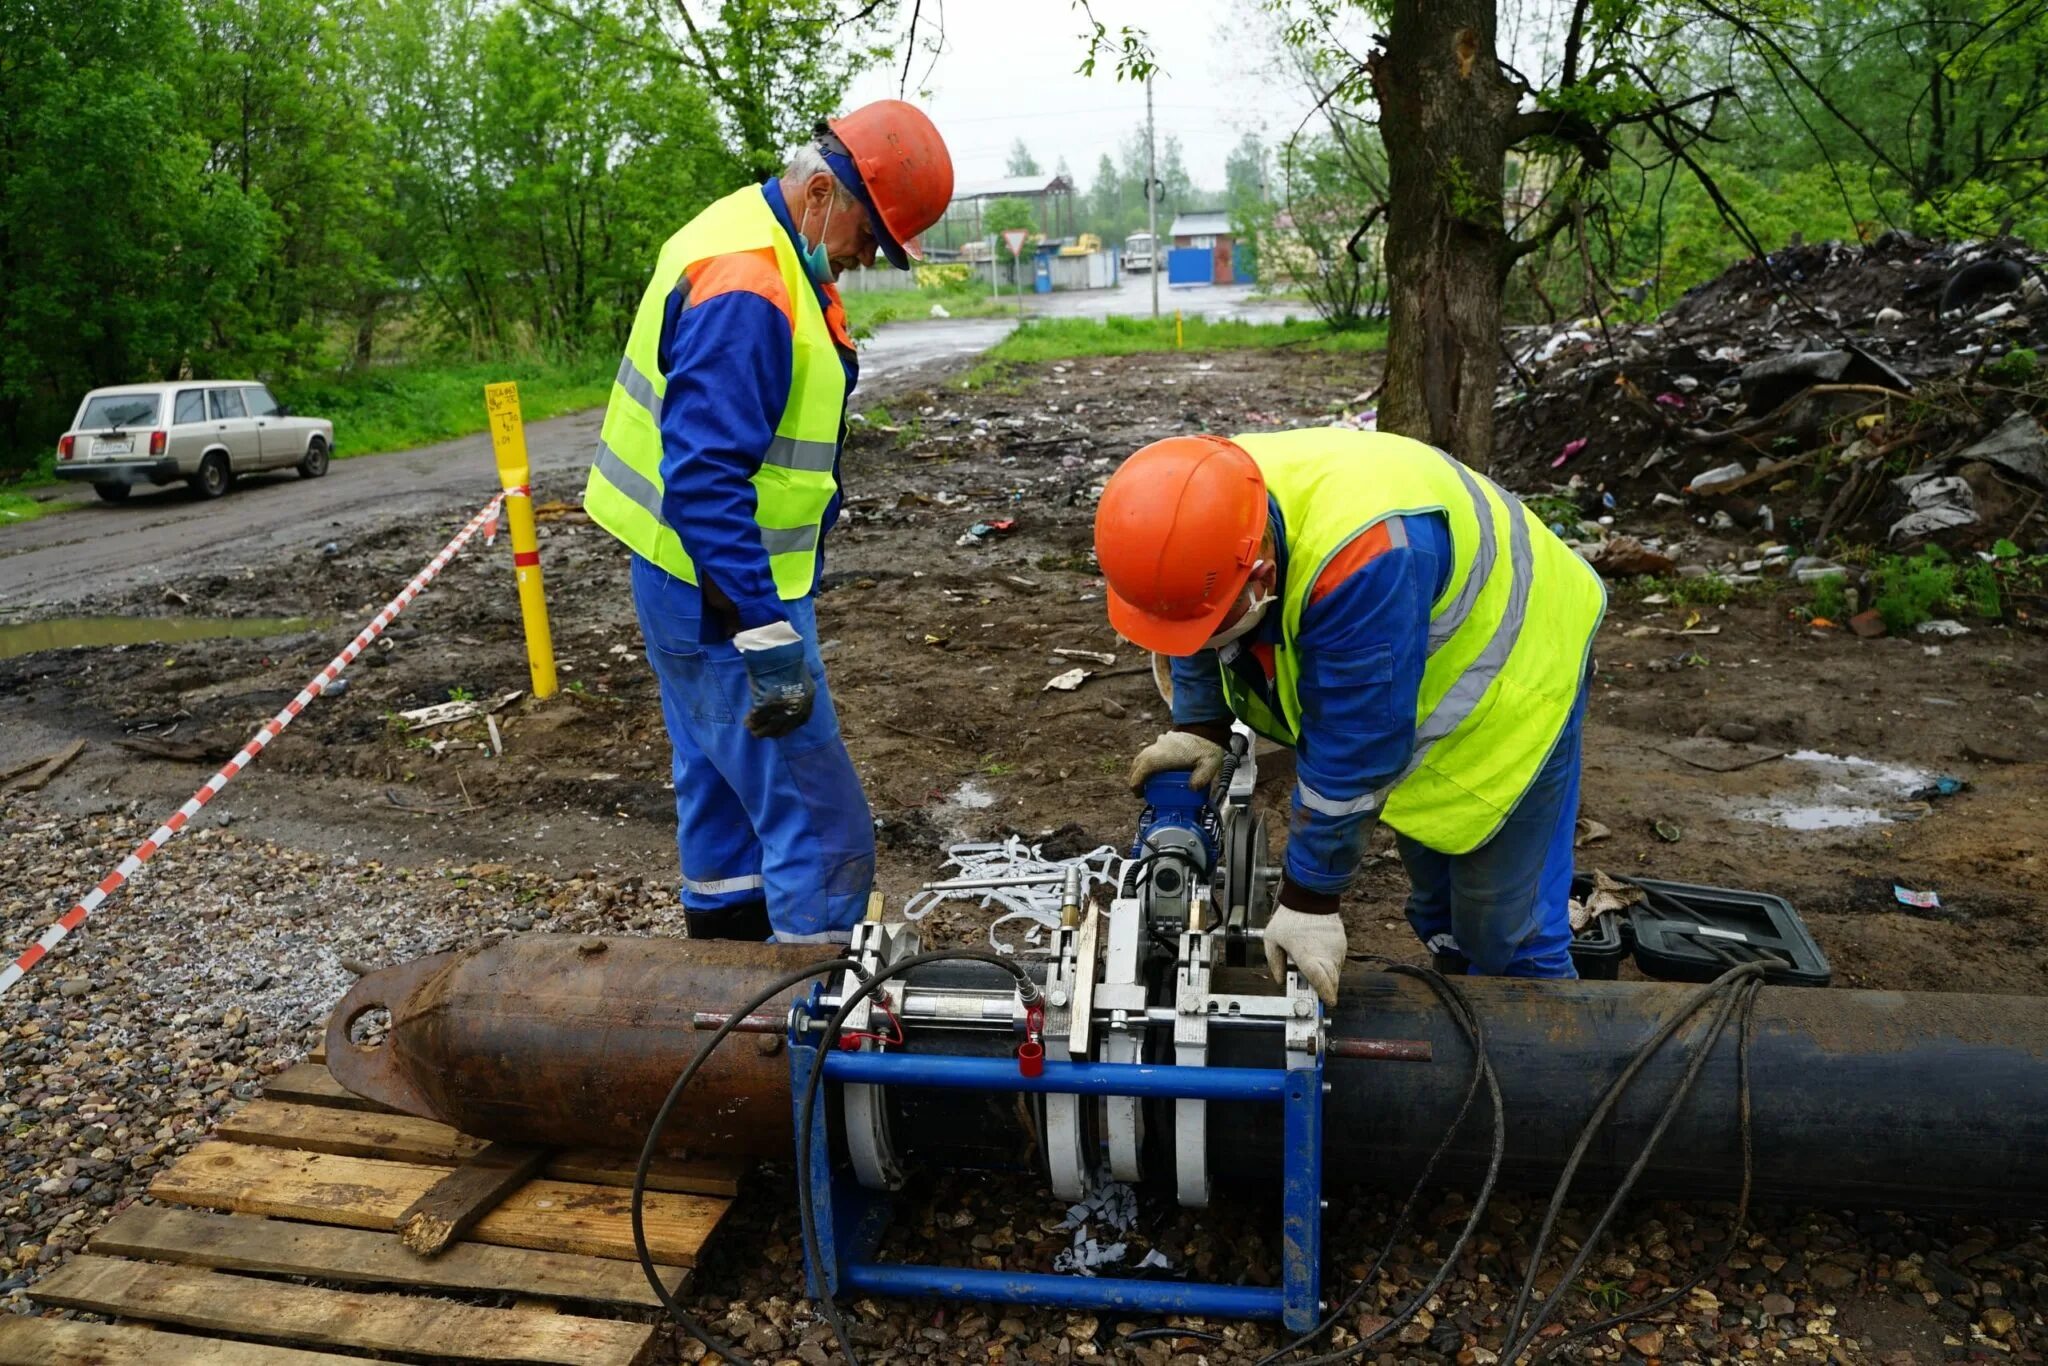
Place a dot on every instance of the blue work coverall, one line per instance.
(1501, 909)
(774, 834)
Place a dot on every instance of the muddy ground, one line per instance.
(939, 653)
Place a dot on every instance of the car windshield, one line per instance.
(119, 410)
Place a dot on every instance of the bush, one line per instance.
(1911, 590)
(2016, 366)
(949, 276)
(1831, 598)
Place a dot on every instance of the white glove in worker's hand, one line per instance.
(1316, 943)
(1178, 749)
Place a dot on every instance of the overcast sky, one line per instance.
(1008, 72)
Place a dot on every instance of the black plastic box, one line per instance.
(1598, 951)
(1688, 933)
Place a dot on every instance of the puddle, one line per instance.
(65, 633)
(1845, 792)
(950, 815)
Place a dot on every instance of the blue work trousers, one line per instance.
(1504, 907)
(779, 820)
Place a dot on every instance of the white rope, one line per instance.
(1014, 859)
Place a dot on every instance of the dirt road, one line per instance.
(162, 537)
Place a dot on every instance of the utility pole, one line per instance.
(1152, 197)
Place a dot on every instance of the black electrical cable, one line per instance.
(682, 1316)
(813, 1088)
(1735, 988)
(1680, 1291)
(1467, 1020)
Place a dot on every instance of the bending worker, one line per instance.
(718, 465)
(1417, 637)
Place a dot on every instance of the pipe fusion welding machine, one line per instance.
(1112, 1053)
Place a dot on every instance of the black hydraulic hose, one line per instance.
(682, 1316)
(813, 1088)
(1736, 988)
(1467, 1020)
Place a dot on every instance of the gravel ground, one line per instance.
(215, 969)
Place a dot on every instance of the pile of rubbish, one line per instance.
(1887, 389)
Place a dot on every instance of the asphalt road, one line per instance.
(160, 536)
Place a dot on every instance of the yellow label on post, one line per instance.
(508, 433)
(508, 443)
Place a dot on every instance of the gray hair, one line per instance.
(807, 161)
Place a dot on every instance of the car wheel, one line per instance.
(213, 476)
(112, 493)
(315, 463)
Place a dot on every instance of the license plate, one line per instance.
(123, 447)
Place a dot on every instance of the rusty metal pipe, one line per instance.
(1861, 1097)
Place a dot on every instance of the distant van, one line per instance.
(1138, 251)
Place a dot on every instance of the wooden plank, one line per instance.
(404, 1138)
(349, 1133)
(457, 1202)
(339, 1318)
(358, 1192)
(226, 1242)
(26, 1341)
(50, 768)
(312, 1084)
(697, 1175)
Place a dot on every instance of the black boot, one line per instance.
(1449, 962)
(742, 920)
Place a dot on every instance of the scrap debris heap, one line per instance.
(1890, 391)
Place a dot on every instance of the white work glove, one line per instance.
(1178, 749)
(1316, 943)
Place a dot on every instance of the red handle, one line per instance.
(1031, 1058)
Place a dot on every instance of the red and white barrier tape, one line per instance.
(165, 833)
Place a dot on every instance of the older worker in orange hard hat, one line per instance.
(718, 466)
(1415, 634)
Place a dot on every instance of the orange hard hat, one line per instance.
(905, 171)
(1177, 533)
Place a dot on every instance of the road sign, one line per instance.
(1014, 238)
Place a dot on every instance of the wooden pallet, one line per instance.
(273, 1245)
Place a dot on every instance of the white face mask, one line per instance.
(1253, 615)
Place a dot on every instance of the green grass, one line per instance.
(16, 508)
(867, 311)
(1049, 339)
(1707, 590)
(397, 408)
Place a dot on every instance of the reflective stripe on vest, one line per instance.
(630, 482)
(735, 244)
(1508, 635)
(784, 452)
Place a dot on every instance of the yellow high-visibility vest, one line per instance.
(736, 243)
(1508, 639)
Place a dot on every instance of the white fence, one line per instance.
(1097, 270)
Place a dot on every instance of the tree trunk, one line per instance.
(1444, 115)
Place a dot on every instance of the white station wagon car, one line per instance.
(198, 433)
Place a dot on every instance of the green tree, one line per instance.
(269, 91)
(1021, 162)
(1244, 173)
(772, 68)
(113, 251)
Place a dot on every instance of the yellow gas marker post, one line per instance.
(508, 441)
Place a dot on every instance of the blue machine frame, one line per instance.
(850, 1219)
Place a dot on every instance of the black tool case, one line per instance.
(1688, 933)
